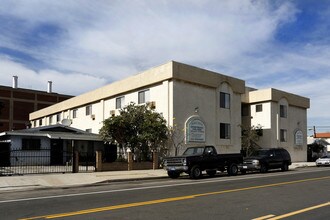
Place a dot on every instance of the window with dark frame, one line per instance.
(31, 144)
(224, 100)
(50, 120)
(283, 111)
(283, 135)
(224, 131)
(40, 122)
(58, 117)
(259, 108)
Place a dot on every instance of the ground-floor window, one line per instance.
(283, 135)
(224, 131)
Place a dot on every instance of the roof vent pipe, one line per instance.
(15, 82)
(49, 89)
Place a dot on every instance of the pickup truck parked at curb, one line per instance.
(195, 160)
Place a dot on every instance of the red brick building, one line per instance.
(16, 104)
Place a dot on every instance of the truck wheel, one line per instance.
(263, 168)
(173, 174)
(232, 169)
(285, 167)
(195, 172)
(211, 172)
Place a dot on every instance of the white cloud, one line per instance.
(102, 41)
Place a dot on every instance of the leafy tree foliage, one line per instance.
(250, 135)
(138, 128)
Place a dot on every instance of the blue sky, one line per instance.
(81, 45)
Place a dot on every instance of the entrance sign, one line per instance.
(195, 130)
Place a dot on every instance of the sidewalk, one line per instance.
(29, 182)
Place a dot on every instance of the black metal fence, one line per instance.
(20, 162)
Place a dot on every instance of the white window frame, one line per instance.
(144, 96)
(74, 113)
(120, 102)
(89, 110)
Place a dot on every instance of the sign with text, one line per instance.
(195, 130)
(299, 138)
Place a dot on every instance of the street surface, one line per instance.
(299, 194)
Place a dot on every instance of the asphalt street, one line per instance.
(298, 194)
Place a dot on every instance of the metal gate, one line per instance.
(20, 162)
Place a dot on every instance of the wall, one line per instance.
(187, 97)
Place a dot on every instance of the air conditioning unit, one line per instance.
(151, 105)
(112, 112)
(93, 117)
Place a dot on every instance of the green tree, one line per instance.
(138, 128)
(250, 135)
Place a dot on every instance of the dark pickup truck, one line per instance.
(203, 158)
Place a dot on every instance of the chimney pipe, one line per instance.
(49, 89)
(15, 82)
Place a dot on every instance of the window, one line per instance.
(259, 108)
(74, 113)
(58, 117)
(245, 109)
(224, 100)
(224, 131)
(31, 144)
(120, 101)
(283, 111)
(40, 122)
(144, 96)
(88, 110)
(50, 119)
(34, 123)
(283, 135)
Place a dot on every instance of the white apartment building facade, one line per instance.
(205, 106)
(282, 117)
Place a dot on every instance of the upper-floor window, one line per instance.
(74, 113)
(58, 117)
(40, 122)
(283, 135)
(259, 108)
(224, 131)
(283, 111)
(50, 119)
(144, 96)
(224, 100)
(120, 102)
(88, 109)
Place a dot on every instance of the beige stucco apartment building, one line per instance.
(205, 106)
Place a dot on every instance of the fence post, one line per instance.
(98, 161)
(130, 160)
(75, 165)
(154, 160)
